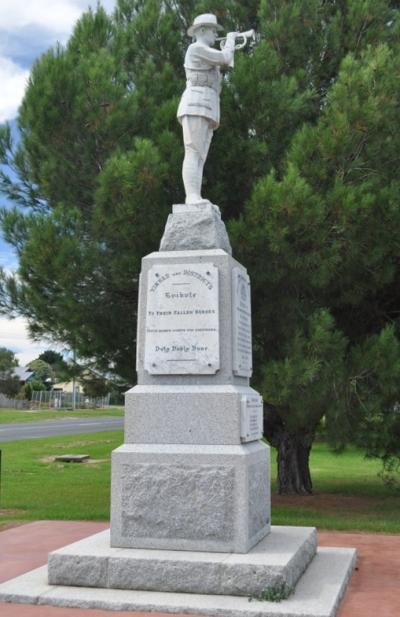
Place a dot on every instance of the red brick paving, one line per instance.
(25, 548)
(374, 590)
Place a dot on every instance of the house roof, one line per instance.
(24, 373)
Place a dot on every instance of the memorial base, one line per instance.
(90, 574)
(190, 497)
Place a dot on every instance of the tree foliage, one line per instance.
(9, 382)
(43, 372)
(304, 168)
(95, 386)
(51, 357)
(325, 225)
(35, 385)
(60, 369)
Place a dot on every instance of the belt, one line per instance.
(200, 78)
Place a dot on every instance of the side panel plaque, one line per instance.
(241, 323)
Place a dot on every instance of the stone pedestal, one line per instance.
(190, 497)
(192, 474)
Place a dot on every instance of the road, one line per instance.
(66, 426)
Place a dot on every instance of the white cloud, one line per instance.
(58, 16)
(26, 30)
(55, 15)
(13, 81)
(14, 335)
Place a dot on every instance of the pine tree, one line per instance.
(324, 223)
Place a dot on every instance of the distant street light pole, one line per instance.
(73, 381)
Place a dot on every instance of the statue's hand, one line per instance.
(231, 41)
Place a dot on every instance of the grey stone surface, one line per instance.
(90, 571)
(258, 496)
(280, 558)
(317, 594)
(225, 264)
(164, 501)
(185, 414)
(190, 497)
(195, 228)
(26, 589)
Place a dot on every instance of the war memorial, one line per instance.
(191, 525)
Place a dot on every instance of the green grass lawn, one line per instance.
(349, 495)
(8, 416)
(35, 487)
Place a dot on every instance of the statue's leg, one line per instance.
(197, 142)
(207, 134)
(208, 137)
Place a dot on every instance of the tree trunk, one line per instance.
(293, 449)
(293, 464)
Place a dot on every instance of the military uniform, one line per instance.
(199, 108)
(203, 83)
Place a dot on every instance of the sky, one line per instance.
(27, 29)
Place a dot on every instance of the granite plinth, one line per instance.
(185, 414)
(188, 497)
(278, 560)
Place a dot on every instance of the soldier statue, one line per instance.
(199, 109)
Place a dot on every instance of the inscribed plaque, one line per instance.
(252, 418)
(241, 322)
(182, 320)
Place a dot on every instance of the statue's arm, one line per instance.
(216, 57)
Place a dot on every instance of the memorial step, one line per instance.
(317, 594)
(277, 561)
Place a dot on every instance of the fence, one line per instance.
(13, 403)
(55, 399)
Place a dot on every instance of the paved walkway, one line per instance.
(374, 589)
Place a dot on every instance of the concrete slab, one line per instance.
(278, 560)
(72, 458)
(317, 594)
(28, 591)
